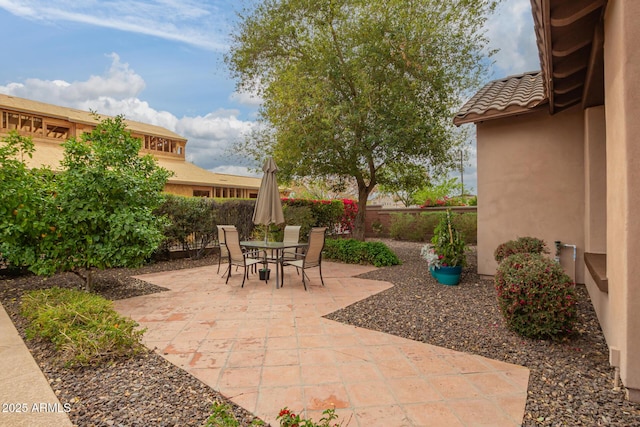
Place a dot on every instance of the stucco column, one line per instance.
(622, 100)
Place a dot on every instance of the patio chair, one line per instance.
(291, 235)
(237, 256)
(224, 253)
(312, 256)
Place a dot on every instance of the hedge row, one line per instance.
(420, 228)
(193, 220)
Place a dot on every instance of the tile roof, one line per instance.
(504, 97)
(189, 174)
(51, 154)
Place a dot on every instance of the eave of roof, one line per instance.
(50, 154)
(570, 40)
(504, 97)
(78, 116)
(189, 174)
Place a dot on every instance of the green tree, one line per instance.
(438, 190)
(403, 181)
(103, 204)
(352, 87)
(24, 196)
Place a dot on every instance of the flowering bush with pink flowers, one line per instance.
(536, 297)
(289, 419)
(519, 246)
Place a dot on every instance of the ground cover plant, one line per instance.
(223, 416)
(84, 327)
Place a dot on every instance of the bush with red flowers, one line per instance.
(536, 297)
(520, 246)
(289, 419)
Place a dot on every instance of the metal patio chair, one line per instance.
(312, 257)
(238, 257)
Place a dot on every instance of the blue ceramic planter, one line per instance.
(447, 275)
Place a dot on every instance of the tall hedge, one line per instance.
(420, 228)
(193, 220)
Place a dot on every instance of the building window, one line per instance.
(10, 120)
(201, 193)
(57, 132)
(32, 125)
(156, 143)
(37, 126)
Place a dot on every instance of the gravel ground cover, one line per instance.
(571, 381)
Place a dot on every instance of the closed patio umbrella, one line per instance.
(268, 209)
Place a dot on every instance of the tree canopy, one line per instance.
(353, 87)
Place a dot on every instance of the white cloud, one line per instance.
(510, 30)
(119, 82)
(210, 137)
(236, 170)
(197, 23)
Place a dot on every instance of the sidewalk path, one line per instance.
(26, 398)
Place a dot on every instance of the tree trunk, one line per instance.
(89, 281)
(359, 222)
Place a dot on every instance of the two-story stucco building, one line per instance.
(50, 125)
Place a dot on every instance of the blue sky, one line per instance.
(161, 62)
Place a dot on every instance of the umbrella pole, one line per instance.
(266, 232)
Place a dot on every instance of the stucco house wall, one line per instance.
(531, 183)
(559, 159)
(622, 100)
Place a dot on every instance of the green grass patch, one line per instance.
(84, 327)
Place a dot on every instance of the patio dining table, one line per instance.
(276, 248)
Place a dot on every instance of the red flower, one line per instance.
(284, 412)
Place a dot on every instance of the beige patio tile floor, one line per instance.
(267, 348)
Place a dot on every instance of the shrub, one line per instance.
(354, 251)
(415, 228)
(536, 297)
(467, 223)
(297, 215)
(238, 212)
(333, 214)
(84, 327)
(519, 246)
(191, 223)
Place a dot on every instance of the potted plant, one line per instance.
(264, 273)
(446, 255)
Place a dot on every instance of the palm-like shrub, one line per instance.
(536, 297)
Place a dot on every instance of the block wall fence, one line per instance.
(377, 213)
